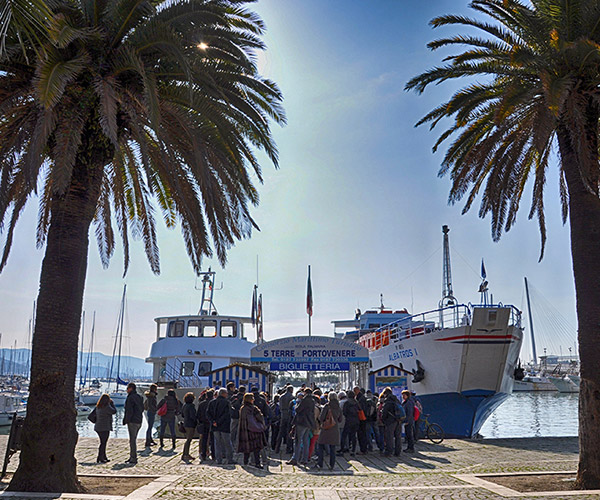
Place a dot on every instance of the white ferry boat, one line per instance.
(11, 404)
(188, 348)
(459, 358)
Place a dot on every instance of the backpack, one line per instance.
(417, 413)
(370, 408)
(399, 412)
(329, 421)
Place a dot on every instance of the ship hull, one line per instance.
(468, 369)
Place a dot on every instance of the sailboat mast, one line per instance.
(81, 350)
(91, 349)
(530, 321)
(121, 335)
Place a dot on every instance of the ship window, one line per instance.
(209, 328)
(175, 329)
(197, 328)
(204, 367)
(194, 328)
(187, 368)
(492, 315)
(228, 329)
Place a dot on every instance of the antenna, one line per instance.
(447, 293)
(208, 290)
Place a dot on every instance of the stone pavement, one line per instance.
(435, 472)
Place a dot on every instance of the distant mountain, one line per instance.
(16, 361)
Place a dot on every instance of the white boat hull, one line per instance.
(7, 418)
(564, 384)
(534, 385)
(468, 369)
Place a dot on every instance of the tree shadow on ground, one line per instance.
(562, 445)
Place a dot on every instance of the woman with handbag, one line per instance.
(329, 437)
(168, 407)
(251, 434)
(102, 416)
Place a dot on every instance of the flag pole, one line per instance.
(309, 303)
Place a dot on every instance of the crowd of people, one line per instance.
(307, 424)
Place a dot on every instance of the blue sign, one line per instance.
(280, 366)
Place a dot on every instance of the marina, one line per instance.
(531, 414)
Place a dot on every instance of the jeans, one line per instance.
(103, 435)
(163, 427)
(362, 435)
(301, 444)
(223, 448)
(349, 436)
(189, 435)
(321, 452)
(150, 416)
(371, 434)
(206, 439)
(380, 437)
(233, 427)
(274, 434)
(393, 438)
(133, 430)
(409, 430)
(283, 435)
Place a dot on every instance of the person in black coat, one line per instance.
(150, 406)
(352, 423)
(409, 425)
(189, 422)
(392, 427)
(219, 414)
(304, 421)
(134, 410)
(104, 411)
(285, 422)
(236, 402)
(362, 424)
(203, 425)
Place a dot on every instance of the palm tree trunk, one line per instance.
(47, 461)
(584, 218)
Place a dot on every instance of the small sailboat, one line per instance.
(91, 394)
(549, 374)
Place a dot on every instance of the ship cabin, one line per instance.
(366, 322)
(188, 348)
(375, 328)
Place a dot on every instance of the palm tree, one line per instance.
(540, 65)
(26, 18)
(130, 106)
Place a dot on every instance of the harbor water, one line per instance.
(523, 414)
(534, 414)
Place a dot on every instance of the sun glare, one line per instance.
(203, 46)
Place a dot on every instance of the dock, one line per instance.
(455, 469)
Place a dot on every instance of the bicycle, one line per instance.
(434, 431)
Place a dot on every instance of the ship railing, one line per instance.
(173, 373)
(515, 313)
(452, 316)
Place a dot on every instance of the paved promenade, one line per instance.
(439, 472)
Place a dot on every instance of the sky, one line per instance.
(356, 196)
